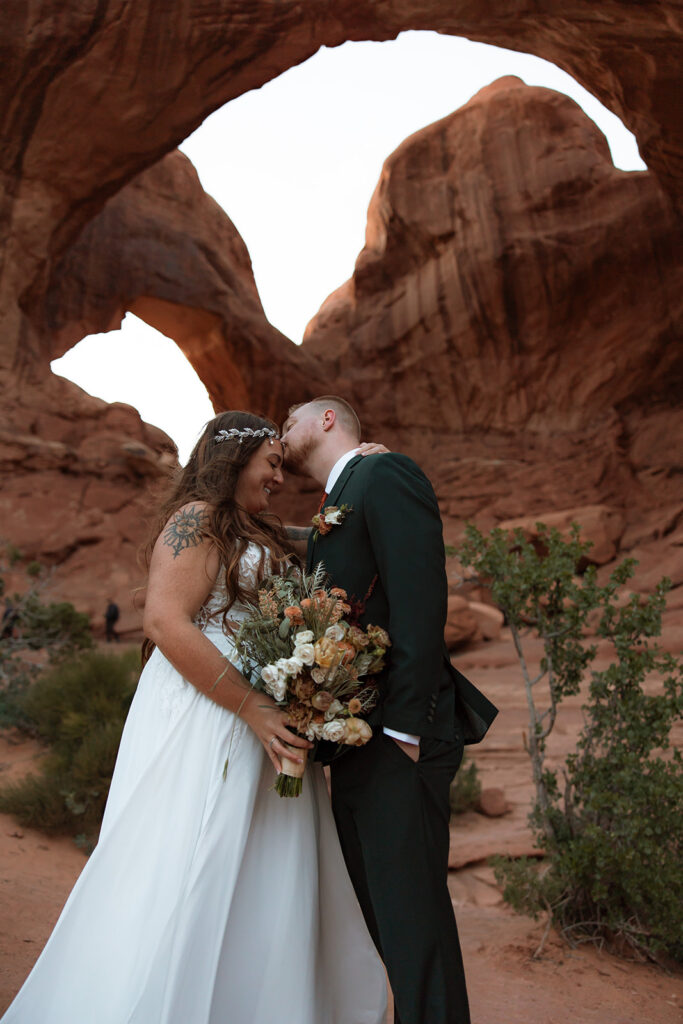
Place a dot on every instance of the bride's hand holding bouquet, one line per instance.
(300, 647)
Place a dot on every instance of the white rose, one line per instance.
(319, 675)
(270, 674)
(335, 632)
(315, 731)
(279, 692)
(334, 518)
(293, 666)
(274, 680)
(334, 709)
(305, 636)
(333, 731)
(289, 666)
(305, 653)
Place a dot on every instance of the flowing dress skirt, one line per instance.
(207, 900)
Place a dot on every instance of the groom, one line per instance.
(391, 797)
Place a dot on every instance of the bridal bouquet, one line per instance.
(299, 647)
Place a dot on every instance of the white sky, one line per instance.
(294, 165)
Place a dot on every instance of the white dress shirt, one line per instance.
(335, 473)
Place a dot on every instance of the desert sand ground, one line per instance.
(507, 985)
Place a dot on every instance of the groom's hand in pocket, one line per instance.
(411, 749)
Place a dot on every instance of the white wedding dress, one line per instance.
(206, 901)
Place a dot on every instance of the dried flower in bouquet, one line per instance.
(300, 646)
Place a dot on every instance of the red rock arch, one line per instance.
(94, 92)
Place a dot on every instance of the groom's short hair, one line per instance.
(345, 413)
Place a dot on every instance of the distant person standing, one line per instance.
(111, 617)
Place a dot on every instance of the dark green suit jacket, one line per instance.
(393, 536)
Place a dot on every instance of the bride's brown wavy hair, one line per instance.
(211, 476)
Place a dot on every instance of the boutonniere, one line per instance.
(331, 516)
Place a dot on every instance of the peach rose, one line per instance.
(356, 732)
(326, 652)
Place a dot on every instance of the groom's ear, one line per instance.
(329, 418)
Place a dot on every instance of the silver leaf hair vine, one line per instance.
(239, 435)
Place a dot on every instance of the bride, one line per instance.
(209, 900)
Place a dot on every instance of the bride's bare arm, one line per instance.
(182, 574)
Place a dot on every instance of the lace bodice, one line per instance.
(209, 617)
(173, 691)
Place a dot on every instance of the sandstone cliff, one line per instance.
(512, 318)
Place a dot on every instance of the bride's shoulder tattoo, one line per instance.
(186, 529)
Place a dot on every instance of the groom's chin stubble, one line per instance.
(296, 462)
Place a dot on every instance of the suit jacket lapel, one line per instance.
(344, 477)
(332, 499)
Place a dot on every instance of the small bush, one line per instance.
(465, 788)
(78, 707)
(611, 821)
(56, 626)
(32, 632)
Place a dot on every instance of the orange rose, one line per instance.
(348, 652)
(305, 604)
(355, 706)
(294, 615)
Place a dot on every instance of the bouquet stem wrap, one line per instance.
(290, 780)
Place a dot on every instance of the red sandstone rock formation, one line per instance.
(603, 527)
(75, 471)
(510, 320)
(97, 92)
(454, 341)
(505, 259)
(74, 474)
(166, 251)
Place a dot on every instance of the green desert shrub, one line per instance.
(78, 708)
(465, 788)
(611, 820)
(33, 632)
